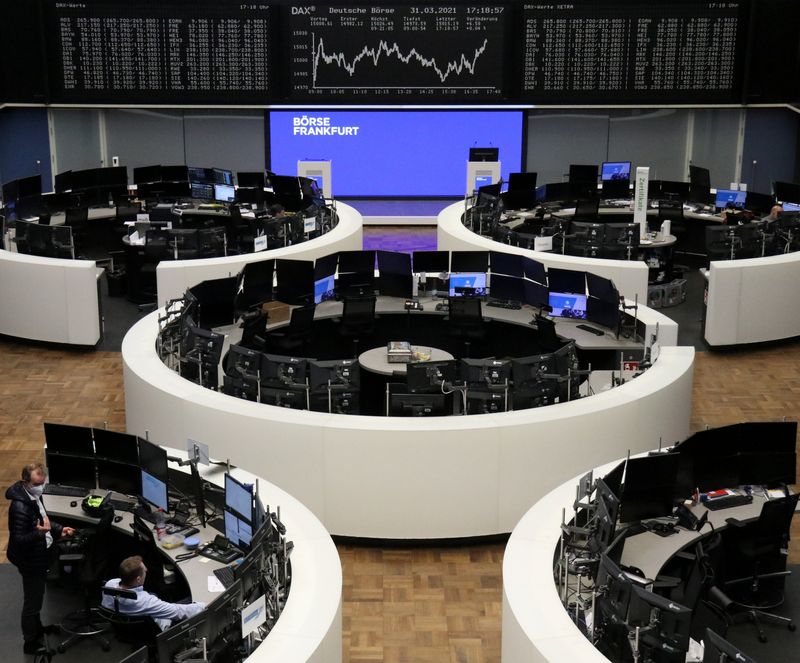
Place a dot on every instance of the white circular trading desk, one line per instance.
(630, 276)
(416, 477)
(174, 277)
(377, 361)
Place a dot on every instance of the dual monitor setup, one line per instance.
(642, 493)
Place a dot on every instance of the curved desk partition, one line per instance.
(410, 478)
(174, 277)
(49, 299)
(749, 300)
(630, 276)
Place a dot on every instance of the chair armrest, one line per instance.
(668, 582)
(71, 557)
(735, 522)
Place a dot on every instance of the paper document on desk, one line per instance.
(214, 585)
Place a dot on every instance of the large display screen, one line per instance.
(398, 52)
(394, 153)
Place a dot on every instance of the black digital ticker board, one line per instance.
(629, 52)
(417, 53)
(149, 53)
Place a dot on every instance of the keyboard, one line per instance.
(728, 502)
(514, 306)
(591, 330)
(225, 575)
(122, 505)
(66, 491)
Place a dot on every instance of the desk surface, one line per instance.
(377, 361)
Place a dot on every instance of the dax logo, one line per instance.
(302, 10)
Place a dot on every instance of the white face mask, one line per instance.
(36, 491)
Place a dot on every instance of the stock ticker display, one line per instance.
(153, 53)
(632, 52)
(397, 52)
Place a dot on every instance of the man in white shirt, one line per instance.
(132, 573)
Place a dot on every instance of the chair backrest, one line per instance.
(302, 319)
(548, 339)
(670, 210)
(465, 310)
(358, 311)
(132, 629)
(772, 527)
(76, 216)
(587, 209)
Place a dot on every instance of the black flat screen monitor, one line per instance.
(239, 498)
(567, 305)
(237, 530)
(223, 616)
(613, 189)
(786, 192)
(285, 186)
(417, 405)
(582, 174)
(615, 590)
(325, 266)
(146, 174)
(154, 475)
(66, 439)
(324, 289)
(527, 371)
(670, 190)
(669, 630)
(251, 180)
(534, 270)
(484, 153)
(26, 187)
(602, 288)
(467, 284)
(469, 261)
(699, 177)
(283, 371)
(222, 176)
(119, 447)
(555, 191)
(566, 280)
(603, 313)
(119, 477)
(174, 174)
(605, 524)
(431, 262)
(485, 373)
(520, 199)
(395, 276)
(615, 170)
(718, 650)
(357, 261)
(336, 372)
(650, 486)
(760, 203)
(70, 470)
(295, 281)
(181, 637)
(522, 182)
(63, 181)
(242, 362)
(509, 264)
(424, 377)
(614, 478)
(224, 193)
(535, 294)
(508, 288)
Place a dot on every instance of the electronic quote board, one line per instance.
(633, 52)
(147, 53)
(397, 52)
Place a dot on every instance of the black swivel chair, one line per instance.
(358, 319)
(147, 548)
(299, 331)
(549, 341)
(759, 545)
(89, 560)
(132, 630)
(587, 210)
(465, 321)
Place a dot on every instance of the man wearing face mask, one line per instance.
(31, 536)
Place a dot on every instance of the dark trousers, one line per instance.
(33, 584)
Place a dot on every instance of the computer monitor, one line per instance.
(786, 192)
(237, 530)
(482, 373)
(222, 176)
(582, 174)
(484, 153)
(239, 498)
(63, 181)
(324, 289)
(469, 261)
(613, 189)
(528, 371)
(182, 637)
(522, 181)
(535, 294)
(615, 588)
(283, 370)
(224, 193)
(418, 405)
(508, 288)
(509, 264)
(431, 262)
(729, 198)
(147, 174)
(119, 447)
(253, 180)
(71, 470)
(603, 313)
(602, 288)
(649, 489)
(119, 477)
(342, 372)
(615, 170)
(66, 439)
(141, 655)
(395, 276)
(242, 362)
(154, 474)
(669, 622)
(467, 284)
(534, 270)
(605, 523)
(567, 280)
(201, 190)
(223, 616)
(718, 650)
(760, 203)
(613, 479)
(295, 281)
(668, 189)
(589, 232)
(292, 398)
(567, 305)
(423, 377)
(202, 344)
(699, 177)
(174, 174)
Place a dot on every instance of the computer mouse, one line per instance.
(73, 504)
(117, 519)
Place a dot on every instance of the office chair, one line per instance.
(299, 331)
(358, 319)
(254, 329)
(147, 548)
(587, 210)
(132, 630)
(91, 560)
(254, 286)
(465, 321)
(759, 545)
(549, 341)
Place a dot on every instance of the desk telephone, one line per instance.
(220, 550)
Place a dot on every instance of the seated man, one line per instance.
(132, 573)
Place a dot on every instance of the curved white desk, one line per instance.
(752, 300)
(376, 360)
(174, 277)
(410, 478)
(630, 276)
(49, 299)
(309, 629)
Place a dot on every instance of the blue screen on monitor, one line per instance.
(324, 289)
(224, 193)
(238, 498)
(474, 280)
(725, 196)
(154, 491)
(237, 531)
(394, 153)
(616, 170)
(790, 207)
(568, 305)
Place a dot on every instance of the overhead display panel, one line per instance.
(413, 53)
(633, 52)
(151, 53)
